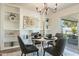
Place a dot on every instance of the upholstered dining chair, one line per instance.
(36, 42)
(58, 35)
(25, 49)
(56, 50)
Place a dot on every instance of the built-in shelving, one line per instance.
(11, 20)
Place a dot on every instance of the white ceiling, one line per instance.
(73, 16)
(32, 6)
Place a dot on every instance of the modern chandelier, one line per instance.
(45, 9)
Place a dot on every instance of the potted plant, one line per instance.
(74, 29)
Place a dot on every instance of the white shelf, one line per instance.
(10, 35)
(11, 41)
(11, 47)
(47, 29)
(12, 12)
(12, 29)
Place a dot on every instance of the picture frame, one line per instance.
(28, 22)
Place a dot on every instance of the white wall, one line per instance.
(26, 12)
(0, 27)
(2, 16)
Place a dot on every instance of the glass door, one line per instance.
(69, 29)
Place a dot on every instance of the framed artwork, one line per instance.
(28, 22)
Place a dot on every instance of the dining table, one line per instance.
(43, 40)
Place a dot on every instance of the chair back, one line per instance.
(49, 36)
(60, 45)
(22, 46)
(59, 35)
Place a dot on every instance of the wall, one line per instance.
(1, 19)
(26, 12)
(0, 27)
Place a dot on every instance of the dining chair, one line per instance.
(58, 35)
(56, 50)
(49, 36)
(25, 49)
(36, 42)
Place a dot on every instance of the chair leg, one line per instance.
(48, 45)
(33, 53)
(37, 53)
(42, 44)
(21, 54)
(62, 55)
(44, 53)
(24, 54)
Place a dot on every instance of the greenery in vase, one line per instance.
(74, 29)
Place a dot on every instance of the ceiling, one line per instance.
(32, 6)
(73, 16)
(51, 5)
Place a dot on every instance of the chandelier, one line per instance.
(45, 9)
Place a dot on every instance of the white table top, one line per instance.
(42, 39)
(39, 39)
(29, 41)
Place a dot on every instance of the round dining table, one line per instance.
(42, 40)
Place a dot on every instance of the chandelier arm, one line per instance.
(45, 8)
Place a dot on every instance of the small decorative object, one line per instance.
(12, 16)
(11, 33)
(26, 36)
(47, 20)
(12, 43)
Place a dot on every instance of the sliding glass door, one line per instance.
(69, 29)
